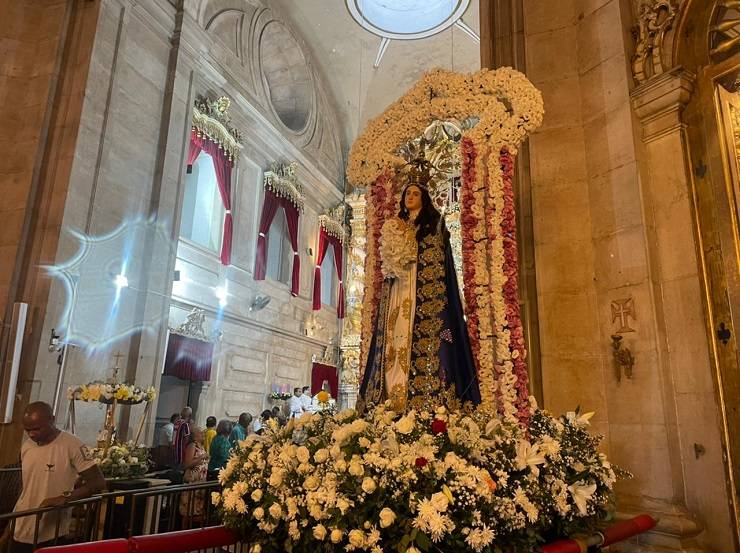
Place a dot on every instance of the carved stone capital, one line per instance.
(653, 37)
(658, 103)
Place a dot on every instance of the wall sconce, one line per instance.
(623, 358)
(259, 303)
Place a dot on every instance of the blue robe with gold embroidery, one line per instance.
(442, 370)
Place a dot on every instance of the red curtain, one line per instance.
(325, 240)
(320, 253)
(269, 209)
(291, 215)
(321, 372)
(223, 166)
(188, 358)
(338, 264)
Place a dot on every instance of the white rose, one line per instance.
(356, 537)
(336, 535)
(259, 513)
(412, 549)
(404, 425)
(368, 485)
(275, 510)
(364, 442)
(303, 454)
(319, 532)
(387, 517)
(321, 455)
(256, 495)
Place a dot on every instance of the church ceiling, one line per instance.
(346, 53)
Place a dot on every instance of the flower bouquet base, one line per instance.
(122, 461)
(441, 481)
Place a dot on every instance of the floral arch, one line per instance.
(499, 108)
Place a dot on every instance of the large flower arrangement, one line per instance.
(505, 107)
(424, 481)
(125, 394)
(123, 460)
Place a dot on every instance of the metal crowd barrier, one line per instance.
(120, 514)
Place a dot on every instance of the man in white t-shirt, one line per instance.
(52, 461)
(295, 405)
(306, 398)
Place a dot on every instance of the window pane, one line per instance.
(202, 208)
(328, 276)
(277, 236)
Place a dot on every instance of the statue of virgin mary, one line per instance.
(419, 355)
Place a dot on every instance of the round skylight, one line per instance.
(406, 19)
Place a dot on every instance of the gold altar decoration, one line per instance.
(355, 286)
(282, 180)
(211, 120)
(333, 222)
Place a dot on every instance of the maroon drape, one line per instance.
(269, 209)
(338, 264)
(222, 166)
(326, 240)
(320, 254)
(291, 215)
(321, 372)
(188, 358)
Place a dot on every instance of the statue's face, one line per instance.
(412, 198)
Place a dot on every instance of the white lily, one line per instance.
(581, 493)
(528, 456)
(579, 420)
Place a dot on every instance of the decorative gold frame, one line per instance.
(714, 187)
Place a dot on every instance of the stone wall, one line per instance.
(615, 255)
(149, 63)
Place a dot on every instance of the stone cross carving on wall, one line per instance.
(622, 311)
(654, 19)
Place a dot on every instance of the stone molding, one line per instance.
(658, 103)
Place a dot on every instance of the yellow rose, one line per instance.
(404, 425)
(275, 511)
(356, 538)
(336, 535)
(368, 485)
(356, 469)
(302, 454)
(387, 517)
(319, 532)
(256, 495)
(311, 483)
(321, 455)
(323, 396)
(259, 513)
